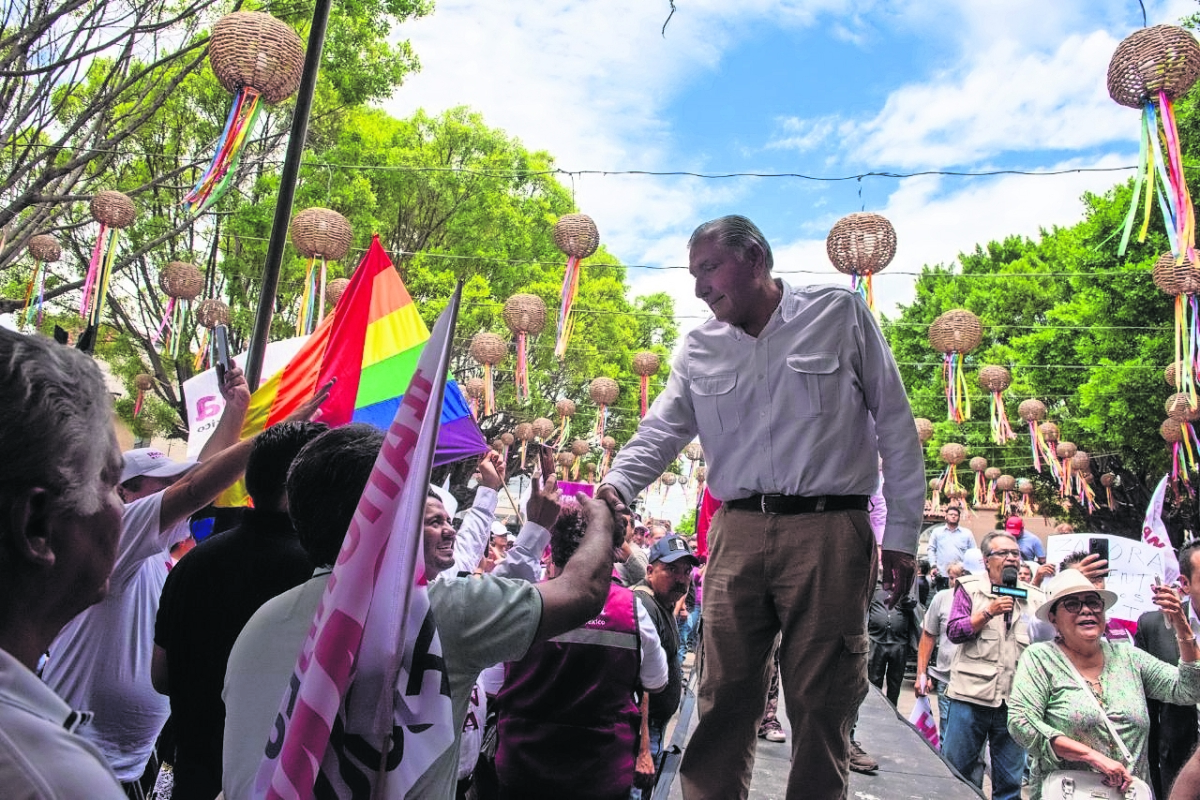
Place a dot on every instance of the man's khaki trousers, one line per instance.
(808, 577)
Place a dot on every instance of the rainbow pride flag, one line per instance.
(371, 344)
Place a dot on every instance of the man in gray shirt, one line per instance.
(795, 397)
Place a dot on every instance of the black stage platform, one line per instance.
(908, 767)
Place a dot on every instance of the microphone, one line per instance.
(1009, 578)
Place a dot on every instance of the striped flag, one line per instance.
(368, 709)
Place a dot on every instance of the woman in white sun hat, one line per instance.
(1079, 702)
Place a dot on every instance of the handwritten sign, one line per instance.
(1132, 566)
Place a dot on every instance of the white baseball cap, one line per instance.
(151, 463)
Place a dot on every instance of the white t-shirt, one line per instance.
(100, 662)
(937, 619)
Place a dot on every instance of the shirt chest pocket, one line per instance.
(715, 401)
(810, 381)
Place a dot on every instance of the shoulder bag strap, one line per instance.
(1112, 731)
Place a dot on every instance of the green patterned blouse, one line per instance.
(1047, 701)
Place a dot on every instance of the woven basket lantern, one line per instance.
(995, 379)
(1179, 408)
(1032, 410)
(143, 382)
(701, 474)
(525, 313)
(211, 313)
(978, 464)
(488, 349)
(523, 431)
(604, 391)
(693, 451)
(956, 331)
(1172, 431)
(1025, 486)
(1006, 483)
(474, 388)
(542, 428)
(321, 233)
(565, 459)
(565, 408)
(45, 248)
(608, 443)
(576, 235)
(335, 289)
(1081, 462)
(508, 439)
(1065, 450)
(580, 448)
(497, 444)
(113, 209)
(953, 453)
(181, 280)
(1175, 279)
(249, 48)
(991, 473)
(646, 363)
(1108, 479)
(1049, 432)
(924, 429)
(935, 484)
(668, 478)
(1161, 58)
(1171, 374)
(861, 244)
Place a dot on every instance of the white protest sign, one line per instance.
(1132, 566)
(203, 398)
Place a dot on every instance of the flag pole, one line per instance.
(287, 194)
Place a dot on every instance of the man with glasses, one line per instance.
(991, 628)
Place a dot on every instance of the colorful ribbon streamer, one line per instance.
(522, 374)
(645, 394)
(566, 323)
(216, 179)
(33, 314)
(1002, 432)
(99, 275)
(958, 399)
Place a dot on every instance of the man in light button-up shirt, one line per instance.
(795, 397)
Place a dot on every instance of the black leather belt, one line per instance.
(792, 504)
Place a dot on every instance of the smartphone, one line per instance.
(1099, 547)
(1157, 583)
(221, 345)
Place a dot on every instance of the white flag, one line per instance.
(1154, 532)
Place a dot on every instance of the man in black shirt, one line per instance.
(209, 596)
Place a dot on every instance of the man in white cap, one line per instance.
(101, 661)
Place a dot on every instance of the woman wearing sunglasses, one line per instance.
(1079, 702)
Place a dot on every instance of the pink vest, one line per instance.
(567, 720)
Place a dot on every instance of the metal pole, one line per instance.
(287, 194)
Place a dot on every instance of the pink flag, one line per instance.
(922, 719)
(1154, 532)
(368, 710)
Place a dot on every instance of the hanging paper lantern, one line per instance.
(318, 234)
(143, 383)
(475, 389)
(645, 364)
(861, 245)
(995, 380)
(604, 392)
(1006, 484)
(978, 464)
(1108, 480)
(1151, 69)
(608, 444)
(991, 475)
(953, 454)
(576, 236)
(924, 429)
(256, 58)
(566, 410)
(543, 428)
(956, 333)
(209, 314)
(44, 249)
(335, 289)
(488, 349)
(182, 283)
(113, 211)
(1181, 280)
(524, 314)
(524, 434)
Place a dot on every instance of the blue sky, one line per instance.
(821, 87)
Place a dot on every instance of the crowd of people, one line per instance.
(564, 645)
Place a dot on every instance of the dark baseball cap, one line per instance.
(672, 548)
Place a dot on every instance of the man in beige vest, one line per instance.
(992, 621)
